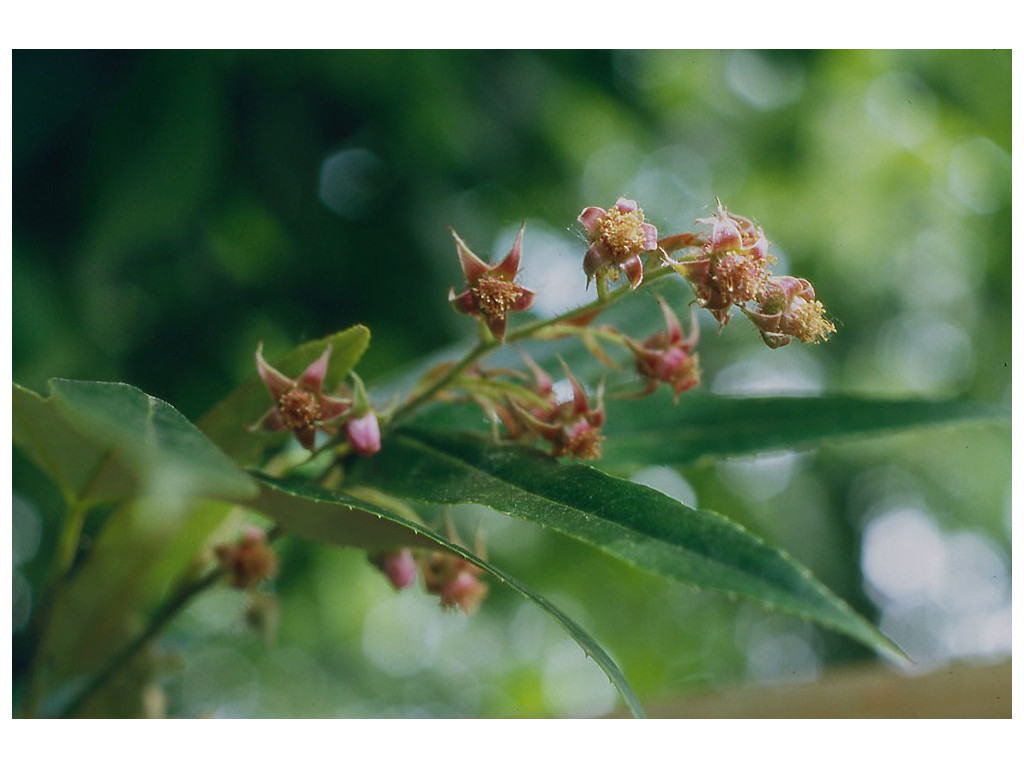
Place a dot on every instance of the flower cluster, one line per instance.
(732, 269)
(727, 266)
(572, 427)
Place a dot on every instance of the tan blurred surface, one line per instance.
(960, 691)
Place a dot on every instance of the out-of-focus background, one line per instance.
(171, 209)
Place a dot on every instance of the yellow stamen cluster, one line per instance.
(299, 409)
(622, 233)
(808, 322)
(495, 297)
(740, 278)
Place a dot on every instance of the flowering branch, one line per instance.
(727, 265)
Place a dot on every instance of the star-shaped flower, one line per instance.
(299, 404)
(491, 291)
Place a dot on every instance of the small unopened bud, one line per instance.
(364, 434)
(399, 567)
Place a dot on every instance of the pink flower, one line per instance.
(788, 308)
(573, 428)
(732, 268)
(299, 404)
(618, 236)
(668, 356)
(491, 292)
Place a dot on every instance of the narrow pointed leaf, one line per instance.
(656, 432)
(103, 441)
(227, 423)
(327, 515)
(629, 521)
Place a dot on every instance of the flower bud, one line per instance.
(364, 434)
(725, 233)
(399, 566)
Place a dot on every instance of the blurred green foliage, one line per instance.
(171, 209)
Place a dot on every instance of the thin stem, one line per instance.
(64, 558)
(480, 349)
(163, 617)
(595, 306)
(485, 346)
(160, 619)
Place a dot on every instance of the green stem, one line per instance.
(480, 349)
(595, 306)
(160, 620)
(486, 346)
(64, 559)
(157, 623)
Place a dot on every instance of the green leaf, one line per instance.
(328, 515)
(103, 441)
(629, 521)
(657, 432)
(227, 423)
